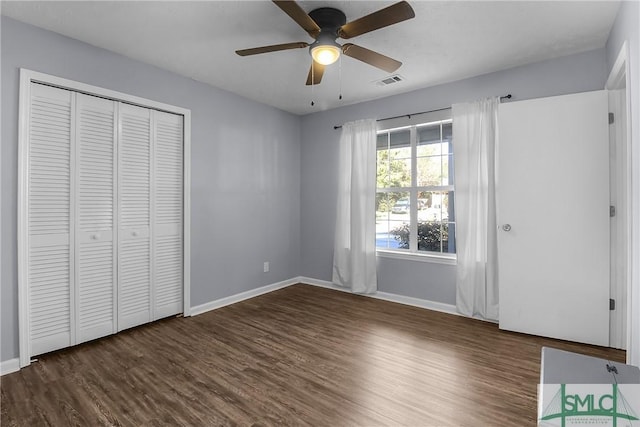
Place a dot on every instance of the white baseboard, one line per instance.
(212, 305)
(9, 366)
(13, 365)
(417, 302)
(401, 299)
(320, 283)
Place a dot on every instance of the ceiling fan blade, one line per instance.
(272, 48)
(383, 18)
(376, 59)
(315, 73)
(301, 17)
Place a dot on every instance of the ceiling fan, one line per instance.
(326, 24)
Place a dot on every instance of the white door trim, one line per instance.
(27, 77)
(619, 70)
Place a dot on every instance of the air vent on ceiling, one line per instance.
(396, 78)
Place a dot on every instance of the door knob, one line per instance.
(506, 227)
(96, 236)
(135, 233)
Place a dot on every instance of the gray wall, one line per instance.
(263, 181)
(319, 156)
(626, 27)
(245, 168)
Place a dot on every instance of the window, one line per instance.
(415, 189)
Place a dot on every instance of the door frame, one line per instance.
(621, 273)
(27, 77)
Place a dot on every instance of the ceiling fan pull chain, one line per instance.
(340, 77)
(312, 83)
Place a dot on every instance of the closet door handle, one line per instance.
(95, 236)
(135, 234)
(506, 227)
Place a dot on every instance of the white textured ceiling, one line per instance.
(446, 41)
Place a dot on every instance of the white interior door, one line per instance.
(49, 218)
(553, 215)
(167, 214)
(134, 237)
(95, 249)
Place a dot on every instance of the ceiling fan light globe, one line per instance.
(325, 54)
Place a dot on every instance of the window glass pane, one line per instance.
(392, 172)
(382, 141)
(429, 171)
(450, 246)
(402, 153)
(435, 221)
(429, 143)
(383, 179)
(383, 205)
(432, 236)
(447, 132)
(400, 158)
(399, 231)
(434, 149)
(394, 159)
(450, 206)
(383, 212)
(429, 134)
(433, 205)
(392, 215)
(445, 170)
(400, 138)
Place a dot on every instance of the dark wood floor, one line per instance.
(298, 356)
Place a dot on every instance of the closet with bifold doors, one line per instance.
(103, 217)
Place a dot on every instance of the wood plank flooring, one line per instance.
(298, 356)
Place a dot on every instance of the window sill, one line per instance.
(411, 256)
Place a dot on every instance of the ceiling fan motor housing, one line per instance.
(329, 20)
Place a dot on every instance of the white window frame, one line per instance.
(414, 122)
(27, 77)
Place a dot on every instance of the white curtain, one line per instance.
(475, 130)
(354, 254)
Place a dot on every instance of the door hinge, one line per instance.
(612, 304)
(612, 211)
(611, 118)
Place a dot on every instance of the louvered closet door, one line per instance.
(49, 219)
(167, 214)
(95, 205)
(134, 251)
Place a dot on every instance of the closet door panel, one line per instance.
(168, 208)
(95, 207)
(134, 252)
(49, 219)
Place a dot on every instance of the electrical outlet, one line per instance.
(266, 266)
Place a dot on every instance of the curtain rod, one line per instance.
(507, 96)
